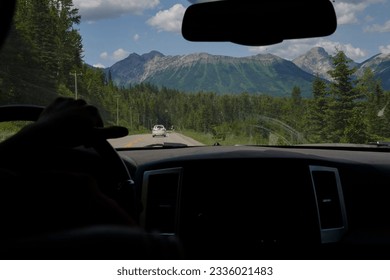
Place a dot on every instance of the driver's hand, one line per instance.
(70, 123)
(73, 196)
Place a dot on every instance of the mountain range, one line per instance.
(261, 74)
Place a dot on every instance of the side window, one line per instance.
(7, 129)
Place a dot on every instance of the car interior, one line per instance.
(204, 202)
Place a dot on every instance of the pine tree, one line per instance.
(43, 48)
(296, 108)
(317, 116)
(374, 101)
(344, 117)
(67, 40)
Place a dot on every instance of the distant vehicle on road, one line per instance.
(159, 130)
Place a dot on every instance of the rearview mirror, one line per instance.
(258, 23)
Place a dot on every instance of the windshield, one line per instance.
(129, 59)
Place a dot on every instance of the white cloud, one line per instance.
(379, 28)
(287, 49)
(120, 54)
(353, 52)
(104, 55)
(117, 55)
(202, 1)
(92, 10)
(169, 20)
(347, 13)
(368, 18)
(99, 65)
(291, 49)
(385, 49)
(362, 1)
(136, 37)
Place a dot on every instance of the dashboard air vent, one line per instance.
(330, 203)
(160, 197)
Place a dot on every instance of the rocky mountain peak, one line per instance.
(267, 58)
(319, 52)
(151, 55)
(264, 73)
(379, 64)
(377, 59)
(316, 61)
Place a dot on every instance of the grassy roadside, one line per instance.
(7, 129)
(230, 139)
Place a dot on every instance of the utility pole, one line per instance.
(75, 83)
(131, 117)
(117, 110)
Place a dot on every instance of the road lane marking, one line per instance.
(135, 141)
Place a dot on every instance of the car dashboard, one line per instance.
(248, 202)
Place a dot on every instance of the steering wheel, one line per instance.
(123, 190)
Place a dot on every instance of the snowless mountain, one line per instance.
(380, 65)
(258, 74)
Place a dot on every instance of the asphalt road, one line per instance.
(142, 140)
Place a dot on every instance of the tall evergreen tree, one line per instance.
(42, 49)
(317, 115)
(343, 120)
(296, 108)
(68, 42)
(374, 101)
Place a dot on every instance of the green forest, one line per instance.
(43, 59)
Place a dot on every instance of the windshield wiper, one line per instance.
(167, 145)
(380, 144)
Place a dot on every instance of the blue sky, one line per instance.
(112, 29)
